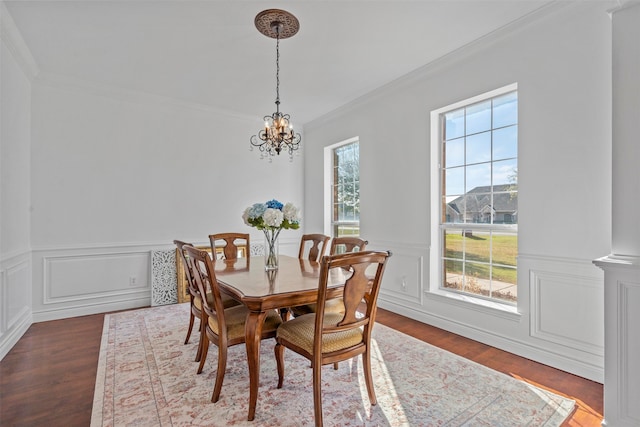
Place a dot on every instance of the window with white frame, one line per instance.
(475, 189)
(342, 172)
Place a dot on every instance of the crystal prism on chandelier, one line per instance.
(278, 134)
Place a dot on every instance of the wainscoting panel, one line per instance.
(17, 293)
(15, 300)
(559, 319)
(567, 310)
(76, 281)
(80, 277)
(403, 277)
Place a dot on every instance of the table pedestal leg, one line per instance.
(253, 332)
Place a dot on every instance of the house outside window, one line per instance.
(475, 208)
(342, 168)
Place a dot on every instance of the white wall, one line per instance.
(115, 175)
(562, 64)
(15, 233)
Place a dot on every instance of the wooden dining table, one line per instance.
(295, 282)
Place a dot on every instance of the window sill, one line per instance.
(493, 308)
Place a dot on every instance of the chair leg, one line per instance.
(279, 351)
(317, 393)
(368, 378)
(191, 318)
(203, 353)
(335, 366)
(200, 343)
(222, 367)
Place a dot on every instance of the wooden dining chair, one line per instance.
(233, 242)
(346, 244)
(223, 327)
(338, 245)
(313, 246)
(327, 338)
(195, 298)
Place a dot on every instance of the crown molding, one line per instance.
(623, 4)
(545, 11)
(12, 38)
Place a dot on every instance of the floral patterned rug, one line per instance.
(147, 377)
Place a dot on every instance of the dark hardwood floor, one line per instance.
(48, 378)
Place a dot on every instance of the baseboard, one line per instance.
(62, 313)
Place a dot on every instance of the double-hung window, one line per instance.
(343, 166)
(475, 214)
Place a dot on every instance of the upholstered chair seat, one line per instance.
(332, 306)
(300, 332)
(235, 318)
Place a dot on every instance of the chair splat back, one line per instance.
(233, 243)
(354, 293)
(317, 244)
(346, 244)
(359, 287)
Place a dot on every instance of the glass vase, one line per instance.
(271, 249)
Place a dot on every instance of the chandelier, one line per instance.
(278, 134)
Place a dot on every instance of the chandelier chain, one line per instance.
(278, 70)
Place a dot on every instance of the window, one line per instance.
(342, 162)
(475, 154)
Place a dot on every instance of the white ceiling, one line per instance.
(209, 52)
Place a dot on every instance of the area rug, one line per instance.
(147, 377)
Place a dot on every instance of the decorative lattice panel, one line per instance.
(164, 285)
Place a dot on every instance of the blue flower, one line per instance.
(257, 210)
(274, 204)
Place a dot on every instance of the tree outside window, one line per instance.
(346, 190)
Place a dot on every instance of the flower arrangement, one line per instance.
(271, 217)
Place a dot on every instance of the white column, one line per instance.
(622, 266)
(626, 132)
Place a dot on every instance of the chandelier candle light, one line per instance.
(278, 133)
(271, 217)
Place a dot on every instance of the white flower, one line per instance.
(273, 217)
(291, 213)
(245, 215)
